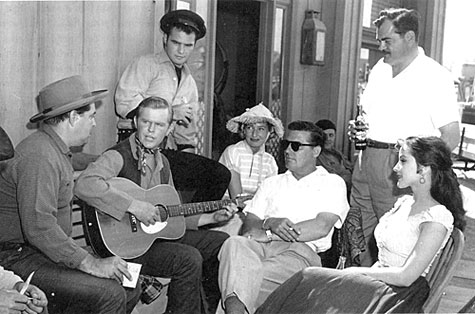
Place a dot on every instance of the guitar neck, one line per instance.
(196, 208)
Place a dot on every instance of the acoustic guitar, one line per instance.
(129, 238)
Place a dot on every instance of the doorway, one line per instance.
(236, 66)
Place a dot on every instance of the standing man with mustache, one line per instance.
(405, 85)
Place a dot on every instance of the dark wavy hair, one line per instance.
(317, 135)
(433, 152)
(404, 20)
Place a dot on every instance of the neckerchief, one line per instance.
(142, 153)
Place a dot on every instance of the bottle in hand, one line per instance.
(360, 128)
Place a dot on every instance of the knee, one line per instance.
(191, 261)
(220, 237)
(116, 295)
(232, 244)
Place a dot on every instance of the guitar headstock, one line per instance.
(239, 201)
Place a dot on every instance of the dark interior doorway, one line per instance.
(237, 36)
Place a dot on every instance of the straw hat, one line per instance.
(258, 113)
(185, 17)
(63, 96)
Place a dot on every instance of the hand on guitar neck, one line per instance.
(222, 215)
(146, 212)
(160, 208)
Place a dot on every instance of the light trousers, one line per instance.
(251, 270)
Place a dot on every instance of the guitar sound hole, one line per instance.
(163, 212)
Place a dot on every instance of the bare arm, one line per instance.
(235, 187)
(450, 133)
(431, 238)
(304, 231)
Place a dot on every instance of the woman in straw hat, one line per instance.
(247, 160)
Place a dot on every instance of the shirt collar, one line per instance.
(63, 148)
(163, 58)
(261, 150)
(319, 171)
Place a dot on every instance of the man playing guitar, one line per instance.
(190, 261)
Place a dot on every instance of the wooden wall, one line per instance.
(45, 41)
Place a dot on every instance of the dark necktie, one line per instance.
(178, 74)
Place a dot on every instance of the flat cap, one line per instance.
(184, 17)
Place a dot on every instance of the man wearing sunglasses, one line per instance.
(288, 222)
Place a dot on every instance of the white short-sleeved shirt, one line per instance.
(252, 168)
(397, 232)
(299, 200)
(417, 102)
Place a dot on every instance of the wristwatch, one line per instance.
(269, 234)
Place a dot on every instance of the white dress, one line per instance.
(397, 232)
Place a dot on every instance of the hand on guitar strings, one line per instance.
(147, 213)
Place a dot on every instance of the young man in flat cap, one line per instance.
(36, 189)
(167, 75)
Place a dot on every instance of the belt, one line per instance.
(6, 246)
(379, 145)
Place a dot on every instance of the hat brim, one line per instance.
(87, 99)
(234, 123)
(184, 17)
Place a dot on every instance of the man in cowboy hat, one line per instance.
(288, 222)
(36, 190)
(167, 75)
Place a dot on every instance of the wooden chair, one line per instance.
(465, 152)
(443, 269)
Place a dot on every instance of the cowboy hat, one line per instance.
(63, 96)
(184, 17)
(255, 114)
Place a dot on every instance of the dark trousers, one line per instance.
(68, 290)
(192, 264)
(192, 172)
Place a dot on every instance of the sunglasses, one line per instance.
(294, 145)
